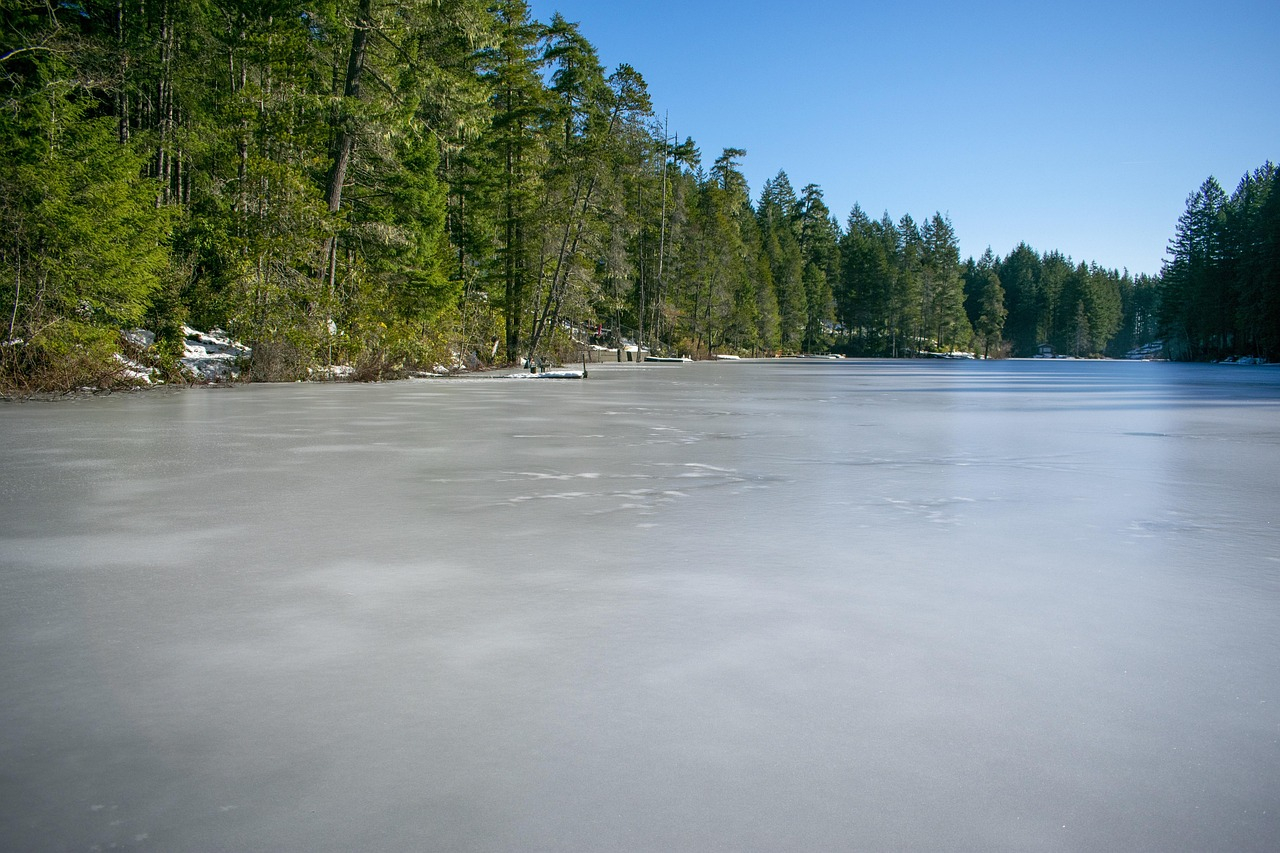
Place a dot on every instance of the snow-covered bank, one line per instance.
(212, 356)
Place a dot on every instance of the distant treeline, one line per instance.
(903, 288)
(390, 184)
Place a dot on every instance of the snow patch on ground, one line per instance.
(212, 356)
(134, 371)
(140, 338)
(332, 372)
(1147, 352)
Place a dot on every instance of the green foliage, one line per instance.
(1219, 295)
(820, 246)
(866, 277)
(64, 356)
(778, 215)
(985, 303)
(944, 323)
(1140, 314)
(1020, 276)
(1075, 309)
(395, 185)
(82, 244)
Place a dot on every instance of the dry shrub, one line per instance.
(279, 361)
(65, 356)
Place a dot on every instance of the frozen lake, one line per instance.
(785, 605)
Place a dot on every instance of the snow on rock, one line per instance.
(140, 338)
(332, 372)
(212, 356)
(1147, 352)
(134, 371)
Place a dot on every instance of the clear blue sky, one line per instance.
(1080, 127)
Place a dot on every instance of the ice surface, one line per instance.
(819, 605)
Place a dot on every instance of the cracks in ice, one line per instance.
(938, 510)
(1176, 524)
(1065, 463)
(686, 480)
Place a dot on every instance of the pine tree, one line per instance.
(600, 118)
(820, 248)
(1020, 275)
(867, 252)
(512, 67)
(905, 297)
(1251, 232)
(722, 310)
(778, 214)
(82, 243)
(1140, 314)
(991, 312)
(942, 288)
(1193, 280)
(1261, 289)
(984, 301)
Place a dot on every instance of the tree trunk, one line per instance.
(344, 143)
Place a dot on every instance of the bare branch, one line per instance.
(17, 51)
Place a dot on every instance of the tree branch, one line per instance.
(11, 54)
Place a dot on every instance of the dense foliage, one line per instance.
(394, 183)
(1221, 294)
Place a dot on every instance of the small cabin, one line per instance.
(1044, 351)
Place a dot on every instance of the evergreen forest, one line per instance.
(391, 184)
